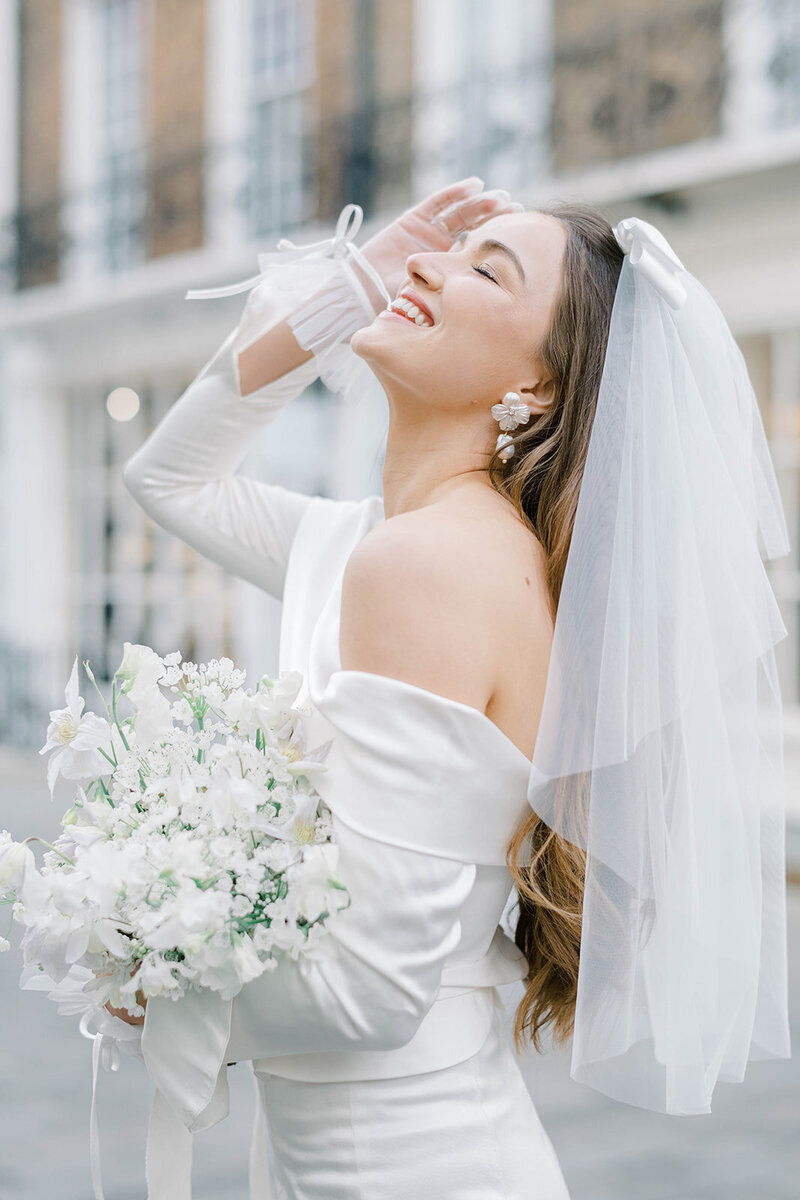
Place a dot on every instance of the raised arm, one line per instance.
(185, 474)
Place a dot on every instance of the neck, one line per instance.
(429, 457)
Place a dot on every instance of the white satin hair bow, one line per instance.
(651, 254)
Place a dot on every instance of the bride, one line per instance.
(423, 621)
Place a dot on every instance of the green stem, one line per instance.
(114, 709)
(106, 793)
(93, 681)
(34, 838)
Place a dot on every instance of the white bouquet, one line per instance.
(196, 846)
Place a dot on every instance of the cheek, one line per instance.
(483, 340)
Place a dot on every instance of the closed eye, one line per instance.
(482, 271)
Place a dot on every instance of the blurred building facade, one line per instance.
(148, 146)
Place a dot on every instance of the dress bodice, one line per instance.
(410, 768)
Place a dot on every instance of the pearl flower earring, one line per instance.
(511, 413)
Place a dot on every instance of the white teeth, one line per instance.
(415, 314)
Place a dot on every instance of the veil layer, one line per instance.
(659, 750)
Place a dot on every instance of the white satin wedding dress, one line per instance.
(384, 1068)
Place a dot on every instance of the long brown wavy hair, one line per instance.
(542, 480)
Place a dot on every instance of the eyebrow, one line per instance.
(492, 244)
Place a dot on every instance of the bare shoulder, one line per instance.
(430, 597)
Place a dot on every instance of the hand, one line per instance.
(123, 1013)
(458, 206)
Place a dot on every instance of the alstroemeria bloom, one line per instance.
(76, 739)
(299, 827)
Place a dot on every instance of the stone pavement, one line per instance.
(748, 1148)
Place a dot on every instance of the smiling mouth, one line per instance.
(403, 307)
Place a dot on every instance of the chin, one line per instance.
(369, 342)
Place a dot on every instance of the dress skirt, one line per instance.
(465, 1132)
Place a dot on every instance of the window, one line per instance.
(278, 72)
(783, 61)
(483, 101)
(122, 175)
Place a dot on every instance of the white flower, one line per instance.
(299, 828)
(310, 882)
(182, 711)
(273, 707)
(139, 663)
(5, 944)
(156, 977)
(141, 670)
(164, 870)
(241, 710)
(16, 859)
(76, 739)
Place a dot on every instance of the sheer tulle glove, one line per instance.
(432, 225)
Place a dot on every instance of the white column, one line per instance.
(36, 515)
(9, 119)
(226, 121)
(746, 107)
(80, 140)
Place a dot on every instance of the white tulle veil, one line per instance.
(659, 750)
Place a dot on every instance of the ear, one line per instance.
(538, 397)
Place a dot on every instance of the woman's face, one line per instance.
(490, 297)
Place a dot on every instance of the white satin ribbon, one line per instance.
(104, 1049)
(168, 1155)
(338, 246)
(651, 254)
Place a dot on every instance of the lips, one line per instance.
(415, 298)
(405, 306)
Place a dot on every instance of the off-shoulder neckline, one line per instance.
(437, 697)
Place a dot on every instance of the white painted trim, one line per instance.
(225, 122)
(9, 112)
(80, 140)
(746, 105)
(708, 160)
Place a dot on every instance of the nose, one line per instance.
(423, 268)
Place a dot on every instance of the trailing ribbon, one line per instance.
(339, 246)
(651, 254)
(104, 1049)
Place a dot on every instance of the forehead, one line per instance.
(538, 238)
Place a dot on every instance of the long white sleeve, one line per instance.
(380, 978)
(184, 475)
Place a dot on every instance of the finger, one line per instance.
(466, 214)
(451, 194)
